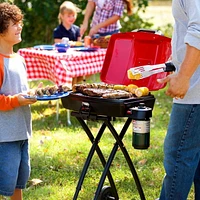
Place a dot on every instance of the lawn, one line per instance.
(58, 153)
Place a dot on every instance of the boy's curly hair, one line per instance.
(9, 12)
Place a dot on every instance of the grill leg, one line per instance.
(107, 164)
(126, 155)
(90, 155)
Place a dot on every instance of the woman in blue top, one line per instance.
(67, 16)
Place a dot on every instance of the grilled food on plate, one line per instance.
(48, 90)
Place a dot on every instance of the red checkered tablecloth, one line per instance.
(61, 68)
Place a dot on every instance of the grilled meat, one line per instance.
(63, 88)
(106, 93)
(117, 94)
(81, 87)
(50, 90)
(96, 92)
(39, 92)
(109, 90)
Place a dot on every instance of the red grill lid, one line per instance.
(132, 49)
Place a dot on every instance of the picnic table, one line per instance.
(62, 68)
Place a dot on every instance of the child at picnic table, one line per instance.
(107, 14)
(15, 114)
(67, 16)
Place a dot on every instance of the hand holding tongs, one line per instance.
(148, 70)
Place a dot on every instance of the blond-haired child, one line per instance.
(66, 28)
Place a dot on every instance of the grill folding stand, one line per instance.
(125, 50)
(84, 109)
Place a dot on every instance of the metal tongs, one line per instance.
(149, 70)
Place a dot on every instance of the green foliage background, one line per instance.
(40, 18)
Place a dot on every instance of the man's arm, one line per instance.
(179, 82)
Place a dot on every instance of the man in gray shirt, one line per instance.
(182, 142)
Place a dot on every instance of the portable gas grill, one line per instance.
(121, 55)
(99, 109)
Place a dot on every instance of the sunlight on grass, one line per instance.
(58, 153)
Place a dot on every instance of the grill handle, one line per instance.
(148, 31)
(169, 67)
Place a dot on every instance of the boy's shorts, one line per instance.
(14, 166)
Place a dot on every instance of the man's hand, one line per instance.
(178, 85)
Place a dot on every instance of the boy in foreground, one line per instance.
(15, 114)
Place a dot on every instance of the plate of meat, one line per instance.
(48, 98)
(49, 93)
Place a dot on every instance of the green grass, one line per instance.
(58, 153)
